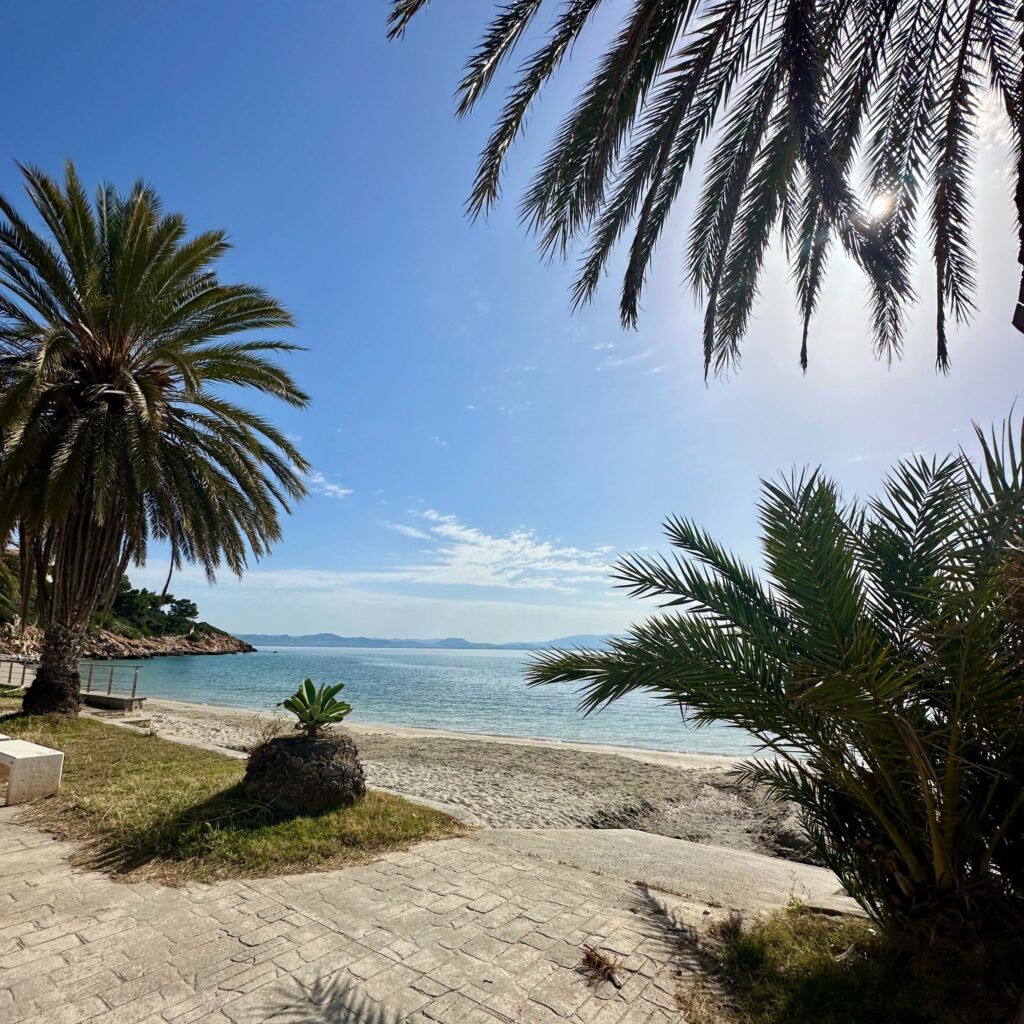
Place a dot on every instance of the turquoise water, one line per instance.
(461, 691)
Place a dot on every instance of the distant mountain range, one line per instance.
(454, 643)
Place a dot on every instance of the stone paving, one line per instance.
(450, 932)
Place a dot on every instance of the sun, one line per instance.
(880, 206)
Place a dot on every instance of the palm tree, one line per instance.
(796, 97)
(116, 337)
(880, 659)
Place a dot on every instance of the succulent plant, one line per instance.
(317, 708)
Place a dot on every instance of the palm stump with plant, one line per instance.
(118, 344)
(313, 772)
(879, 660)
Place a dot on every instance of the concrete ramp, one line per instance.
(713, 875)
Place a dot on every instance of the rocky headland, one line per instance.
(103, 645)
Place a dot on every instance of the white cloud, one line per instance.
(312, 601)
(605, 345)
(613, 362)
(319, 484)
(409, 531)
(466, 556)
(440, 442)
(454, 554)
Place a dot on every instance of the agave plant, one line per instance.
(878, 663)
(317, 708)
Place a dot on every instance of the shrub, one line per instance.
(878, 659)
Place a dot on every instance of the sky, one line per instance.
(481, 453)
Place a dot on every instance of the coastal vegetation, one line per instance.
(878, 662)
(150, 808)
(795, 966)
(315, 771)
(134, 612)
(795, 99)
(117, 339)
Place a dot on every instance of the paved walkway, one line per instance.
(452, 932)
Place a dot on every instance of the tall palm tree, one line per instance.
(116, 339)
(879, 659)
(797, 96)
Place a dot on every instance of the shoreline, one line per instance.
(651, 755)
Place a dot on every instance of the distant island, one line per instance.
(454, 643)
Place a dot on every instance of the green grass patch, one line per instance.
(797, 967)
(149, 808)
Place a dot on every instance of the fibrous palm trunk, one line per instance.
(86, 557)
(56, 686)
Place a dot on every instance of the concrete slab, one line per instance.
(706, 874)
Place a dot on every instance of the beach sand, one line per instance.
(502, 782)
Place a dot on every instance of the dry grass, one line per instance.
(598, 966)
(701, 1004)
(149, 808)
(798, 967)
(262, 729)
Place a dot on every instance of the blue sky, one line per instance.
(481, 453)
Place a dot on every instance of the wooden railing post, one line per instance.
(110, 680)
(24, 667)
(135, 681)
(88, 681)
(10, 672)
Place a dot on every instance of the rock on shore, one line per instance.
(103, 645)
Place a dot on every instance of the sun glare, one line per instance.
(880, 206)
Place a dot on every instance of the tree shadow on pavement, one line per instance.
(329, 1000)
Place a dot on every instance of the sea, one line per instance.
(454, 690)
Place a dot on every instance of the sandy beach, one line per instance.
(501, 782)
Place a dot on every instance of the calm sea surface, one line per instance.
(463, 691)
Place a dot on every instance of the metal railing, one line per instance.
(97, 677)
(105, 677)
(16, 673)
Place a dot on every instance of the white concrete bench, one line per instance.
(32, 771)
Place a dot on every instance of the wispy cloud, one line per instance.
(319, 484)
(408, 531)
(614, 362)
(462, 555)
(453, 554)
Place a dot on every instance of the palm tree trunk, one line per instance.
(82, 560)
(56, 686)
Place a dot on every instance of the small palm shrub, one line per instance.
(317, 708)
(877, 659)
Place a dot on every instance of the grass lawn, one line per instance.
(149, 808)
(797, 967)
